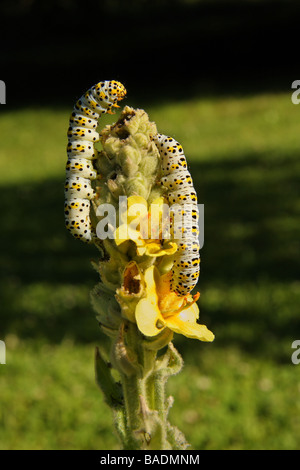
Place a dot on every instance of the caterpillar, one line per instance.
(182, 195)
(82, 135)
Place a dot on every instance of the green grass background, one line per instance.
(241, 391)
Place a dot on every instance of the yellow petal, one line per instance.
(136, 200)
(137, 207)
(185, 323)
(138, 219)
(149, 277)
(135, 235)
(148, 317)
(151, 317)
(154, 248)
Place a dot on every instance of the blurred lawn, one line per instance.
(240, 392)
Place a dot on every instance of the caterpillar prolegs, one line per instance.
(183, 199)
(99, 99)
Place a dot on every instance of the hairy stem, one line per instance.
(143, 423)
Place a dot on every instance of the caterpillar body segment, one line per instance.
(182, 198)
(100, 99)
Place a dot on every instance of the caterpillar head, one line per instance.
(117, 89)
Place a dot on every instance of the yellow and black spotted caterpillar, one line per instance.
(82, 134)
(80, 171)
(185, 215)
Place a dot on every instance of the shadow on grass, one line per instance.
(251, 242)
(47, 273)
(250, 260)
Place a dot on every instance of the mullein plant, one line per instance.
(133, 300)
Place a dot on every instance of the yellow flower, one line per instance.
(162, 308)
(136, 226)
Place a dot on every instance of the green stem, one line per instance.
(144, 395)
(139, 392)
(132, 390)
(141, 414)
